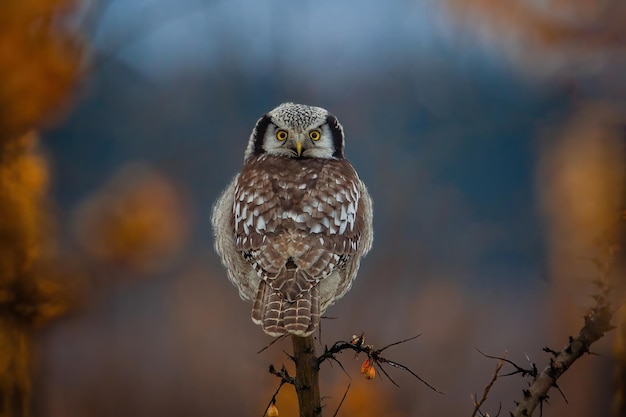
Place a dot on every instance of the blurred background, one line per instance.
(490, 135)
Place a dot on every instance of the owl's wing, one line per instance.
(238, 270)
(364, 238)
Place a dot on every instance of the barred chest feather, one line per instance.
(297, 205)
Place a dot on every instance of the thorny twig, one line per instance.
(597, 323)
(358, 345)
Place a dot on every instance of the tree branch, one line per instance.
(308, 364)
(597, 323)
(307, 376)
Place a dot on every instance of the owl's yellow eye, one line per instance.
(281, 135)
(315, 135)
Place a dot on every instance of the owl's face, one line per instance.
(297, 131)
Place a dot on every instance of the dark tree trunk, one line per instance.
(307, 376)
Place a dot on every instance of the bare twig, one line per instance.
(342, 400)
(271, 343)
(273, 400)
(399, 342)
(518, 369)
(283, 375)
(479, 403)
(285, 378)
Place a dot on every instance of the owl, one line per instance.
(292, 226)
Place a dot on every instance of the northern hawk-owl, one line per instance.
(292, 226)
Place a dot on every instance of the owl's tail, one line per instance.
(280, 312)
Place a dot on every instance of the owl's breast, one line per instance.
(286, 195)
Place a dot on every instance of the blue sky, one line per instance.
(332, 38)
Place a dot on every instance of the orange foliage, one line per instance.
(367, 369)
(30, 293)
(581, 179)
(272, 411)
(549, 33)
(23, 185)
(554, 22)
(28, 282)
(39, 62)
(137, 220)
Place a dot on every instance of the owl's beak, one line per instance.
(299, 147)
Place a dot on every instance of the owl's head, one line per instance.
(297, 131)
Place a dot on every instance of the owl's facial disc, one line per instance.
(294, 141)
(287, 142)
(297, 131)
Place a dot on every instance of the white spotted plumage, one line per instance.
(292, 227)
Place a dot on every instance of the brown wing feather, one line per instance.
(296, 221)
